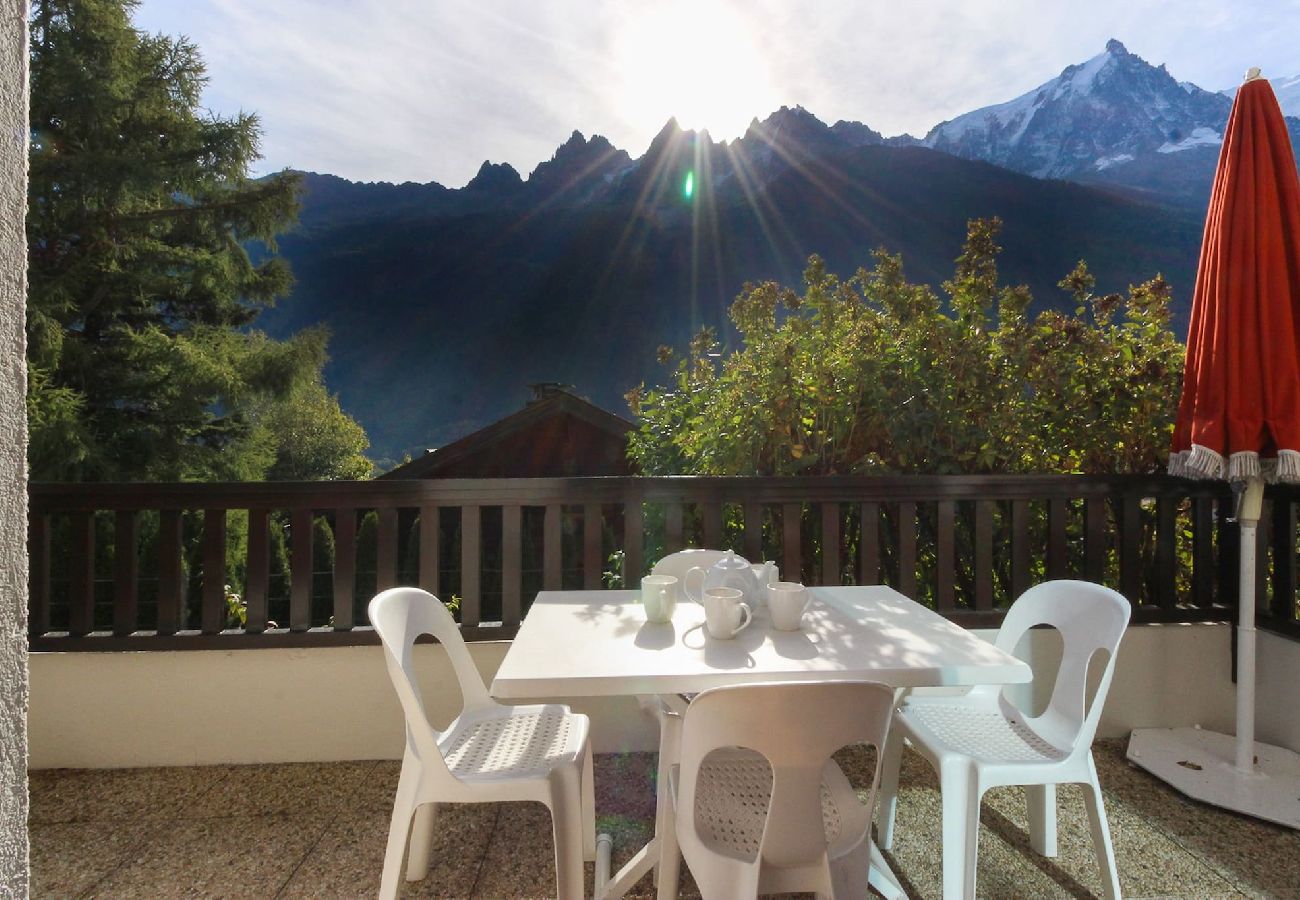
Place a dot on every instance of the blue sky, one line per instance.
(424, 90)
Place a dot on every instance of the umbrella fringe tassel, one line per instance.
(1198, 462)
(1204, 463)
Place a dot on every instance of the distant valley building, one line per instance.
(556, 435)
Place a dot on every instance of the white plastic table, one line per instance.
(597, 643)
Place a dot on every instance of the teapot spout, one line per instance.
(768, 574)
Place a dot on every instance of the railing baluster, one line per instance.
(1166, 581)
(1203, 551)
(592, 545)
(1056, 561)
(259, 571)
(126, 571)
(831, 543)
(171, 579)
(471, 530)
(38, 585)
(791, 541)
(511, 564)
(213, 610)
(1130, 556)
(907, 549)
(672, 527)
(633, 540)
(386, 548)
(753, 539)
(81, 590)
(869, 543)
(552, 548)
(712, 523)
(1095, 544)
(345, 567)
(1284, 562)
(945, 563)
(429, 537)
(1019, 548)
(1229, 553)
(301, 568)
(983, 554)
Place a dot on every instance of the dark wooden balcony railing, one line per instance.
(150, 566)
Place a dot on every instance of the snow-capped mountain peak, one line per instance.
(1094, 115)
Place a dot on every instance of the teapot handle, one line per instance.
(698, 595)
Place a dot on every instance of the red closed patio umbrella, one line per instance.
(1239, 420)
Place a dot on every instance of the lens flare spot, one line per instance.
(688, 185)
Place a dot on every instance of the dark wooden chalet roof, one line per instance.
(557, 435)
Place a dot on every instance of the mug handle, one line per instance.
(747, 615)
(686, 585)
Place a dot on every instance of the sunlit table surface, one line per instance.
(597, 643)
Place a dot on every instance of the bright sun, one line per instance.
(697, 61)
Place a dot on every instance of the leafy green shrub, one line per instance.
(875, 375)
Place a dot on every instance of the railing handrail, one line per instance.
(81, 496)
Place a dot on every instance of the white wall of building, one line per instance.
(335, 703)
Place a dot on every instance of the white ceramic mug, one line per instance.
(659, 597)
(725, 614)
(787, 601)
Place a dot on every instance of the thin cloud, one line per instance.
(409, 90)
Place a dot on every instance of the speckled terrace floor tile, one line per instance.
(520, 859)
(288, 787)
(349, 860)
(320, 831)
(68, 859)
(87, 795)
(248, 856)
(1259, 858)
(377, 789)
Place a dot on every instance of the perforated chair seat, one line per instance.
(735, 790)
(979, 733)
(526, 742)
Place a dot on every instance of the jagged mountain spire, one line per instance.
(1107, 110)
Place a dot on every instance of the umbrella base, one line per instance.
(1200, 764)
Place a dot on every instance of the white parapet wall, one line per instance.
(1277, 714)
(93, 710)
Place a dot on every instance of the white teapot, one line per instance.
(732, 571)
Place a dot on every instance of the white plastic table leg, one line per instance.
(882, 878)
(604, 852)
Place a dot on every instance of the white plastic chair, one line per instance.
(489, 753)
(759, 805)
(980, 740)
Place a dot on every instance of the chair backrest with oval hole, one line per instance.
(402, 614)
(796, 727)
(1090, 618)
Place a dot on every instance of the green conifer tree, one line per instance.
(142, 361)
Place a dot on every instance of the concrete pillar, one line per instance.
(13, 450)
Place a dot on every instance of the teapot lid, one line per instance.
(731, 561)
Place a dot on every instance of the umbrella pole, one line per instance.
(1250, 504)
